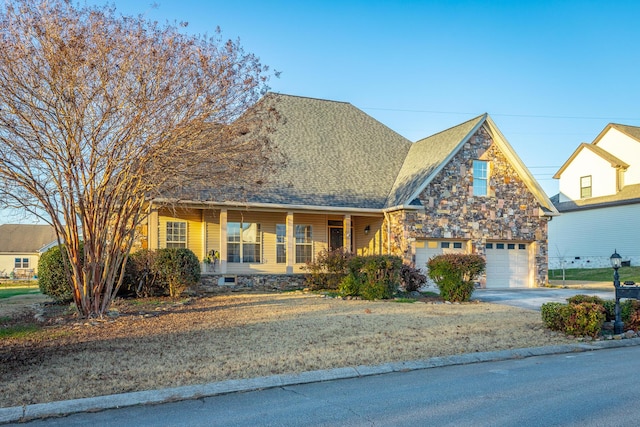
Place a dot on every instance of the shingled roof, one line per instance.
(339, 157)
(25, 238)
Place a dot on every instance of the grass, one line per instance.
(18, 331)
(597, 274)
(7, 292)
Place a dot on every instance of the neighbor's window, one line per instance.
(585, 187)
(21, 263)
(281, 243)
(480, 177)
(244, 242)
(304, 244)
(176, 234)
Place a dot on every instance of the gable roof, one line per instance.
(614, 161)
(427, 157)
(631, 131)
(25, 238)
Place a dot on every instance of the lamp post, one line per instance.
(616, 263)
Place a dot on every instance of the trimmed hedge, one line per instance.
(328, 270)
(177, 269)
(454, 274)
(372, 277)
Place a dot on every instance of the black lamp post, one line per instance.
(616, 263)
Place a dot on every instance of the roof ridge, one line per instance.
(453, 127)
(313, 98)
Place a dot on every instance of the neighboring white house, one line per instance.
(599, 202)
(21, 246)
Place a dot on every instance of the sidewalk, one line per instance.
(24, 413)
(581, 284)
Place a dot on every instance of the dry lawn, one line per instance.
(163, 343)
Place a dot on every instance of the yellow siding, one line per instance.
(368, 244)
(193, 218)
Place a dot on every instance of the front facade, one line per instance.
(20, 248)
(599, 202)
(353, 183)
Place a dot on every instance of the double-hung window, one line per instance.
(176, 234)
(21, 263)
(585, 187)
(304, 244)
(281, 243)
(244, 242)
(480, 178)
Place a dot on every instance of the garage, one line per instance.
(426, 250)
(507, 265)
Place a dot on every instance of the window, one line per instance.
(244, 242)
(585, 187)
(489, 246)
(281, 243)
(304, 244)
(522, 246)
(499, 245)
(457, 245)
(444, 245)
(176, 234)
(511, 246)
(480, 177)
(21, 263)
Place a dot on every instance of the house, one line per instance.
(21, 246)
(351, 182)
(599, 202)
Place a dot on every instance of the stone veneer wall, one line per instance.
(510, 212)
(252, 283)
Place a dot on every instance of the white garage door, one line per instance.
(426, 250)
(507, 265)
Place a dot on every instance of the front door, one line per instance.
(336, 237)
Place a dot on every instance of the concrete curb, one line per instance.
(100, 403)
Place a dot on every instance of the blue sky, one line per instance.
(552, 74)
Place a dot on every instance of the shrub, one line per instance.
(585, 318)
(454, 274)
(53, 279)
(552, 315)
(411, 278)
(627, 308)
(577, 299)
(177, 269)
(141, 278)
(328, 270)
(350, 286)
(372, 277)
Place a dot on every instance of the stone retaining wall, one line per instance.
(223, 283)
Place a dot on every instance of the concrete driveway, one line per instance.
(533, 298)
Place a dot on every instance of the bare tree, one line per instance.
(100, 112)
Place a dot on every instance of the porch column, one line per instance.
(223, 240)
(153, 240)
(291, 255)
(203, 222)
(346, 240)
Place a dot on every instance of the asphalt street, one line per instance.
(596, 388)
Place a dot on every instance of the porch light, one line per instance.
(367, 229)
(616, 260)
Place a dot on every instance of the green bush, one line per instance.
(350, 286)
(53, 279)
(628, 308)
(552, 315)
(328, 270)
(411, 278)
(454, 274)
(577, 299)
(177, 269)
(372, 277)
(585, 318)
(141, 277)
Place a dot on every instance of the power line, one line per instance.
(536, 116)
